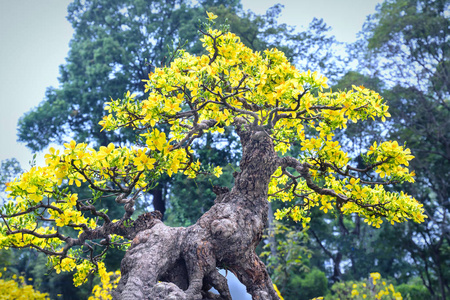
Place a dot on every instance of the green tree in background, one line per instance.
(405, 46)
(9, 169)
(404, 53)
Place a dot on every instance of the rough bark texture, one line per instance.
(181, 263)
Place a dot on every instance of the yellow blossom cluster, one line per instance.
(109, 281)
(396, 160)
(76, 165)
(329, 166)
(219, 89)
(370, 290)
(371, 201)
(37, 197)
(16, 289)
(233, 82)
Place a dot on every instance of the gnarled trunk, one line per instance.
(181, 263)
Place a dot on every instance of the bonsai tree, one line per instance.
(271, 106)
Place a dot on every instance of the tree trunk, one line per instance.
(181, 263)
(271, 233)
(159, 203)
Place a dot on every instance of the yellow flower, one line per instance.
(171, 107)
(211, 16)
(217, 171)
(73, 199)
(142, 161)
(70, 145)
(375, 276)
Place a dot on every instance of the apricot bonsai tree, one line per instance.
(271, 106)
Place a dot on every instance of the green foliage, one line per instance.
(307, 286)
(407, 47)
(288, 262)
(288, 255)
(9, 169)
(414, 290)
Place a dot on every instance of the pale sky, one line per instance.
(34, 38)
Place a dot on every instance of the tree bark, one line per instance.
(181, 263)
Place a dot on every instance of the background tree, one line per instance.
(406, 45)
(9, 169)
(268, 103)
(403, 53)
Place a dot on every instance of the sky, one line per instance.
(34, 41)
(35, 35)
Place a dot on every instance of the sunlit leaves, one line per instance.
(396, 157)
